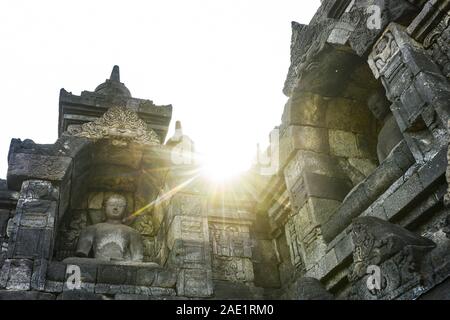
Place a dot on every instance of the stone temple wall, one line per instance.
(359, 188)
(367, 138)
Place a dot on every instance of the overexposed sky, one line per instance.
(220, 63)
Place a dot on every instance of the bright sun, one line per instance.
(225, 164)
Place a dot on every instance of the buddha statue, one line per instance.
(390, 134)
(111, 240)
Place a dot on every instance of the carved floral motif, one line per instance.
(118, 123)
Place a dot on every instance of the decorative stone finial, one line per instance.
(113, 86)
(115, 74)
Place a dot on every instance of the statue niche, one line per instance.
(121, 171)
(111, 240)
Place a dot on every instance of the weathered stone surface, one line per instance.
(349, 115)
(22, 166)
(371, 236)
(262, 237)
(311, 289)
(194, 283)
(80, 295)
(315, 163)
(305, 108)
(265, 265)
(165, 279)
(16, 274)
(56, 271)
(4, 217)
(25, 295)
(226, 290)
(302, 138)
(116, 275)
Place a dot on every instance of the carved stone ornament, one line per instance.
(376, 241)
(118, 123)
(383, 52)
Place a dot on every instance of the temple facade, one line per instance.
(353, 204)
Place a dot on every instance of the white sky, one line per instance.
(220, 63)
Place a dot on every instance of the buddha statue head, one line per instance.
(114, 208)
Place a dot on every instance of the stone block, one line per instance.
(322, 186)
(195, 283)
(314, 248)
(382, 178)
(305, 108)
(56, 271)
(38, 277)
(80, 295)
(419, 61)
(403, 196)
(39, 190)
(161, 292)
(16, 274)
(344, 144)
(353, 205)
(37, 214)
(224, 290)
(165, 278)
(84, 287)
(365, 166)
(190, 254)
(344, 249)
(145, 277)
(314, 163)
(132, 297)
(53, 286)
(4, 217)
(378, 212)
(322, 209)
(403, 156)
(401, 81)
(302, 138)
(23, 166)
(111, 289)
(73, 146)
(25, 295)
(349, 115)
(232, 269)
(303, 223)
(117, 275)
(32, 243)
(187, 228)
(183, 204)
(434, 169)
(411, 104)
(328, 262)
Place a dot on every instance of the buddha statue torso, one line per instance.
(111, 240)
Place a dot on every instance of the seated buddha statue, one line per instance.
(111, 240)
